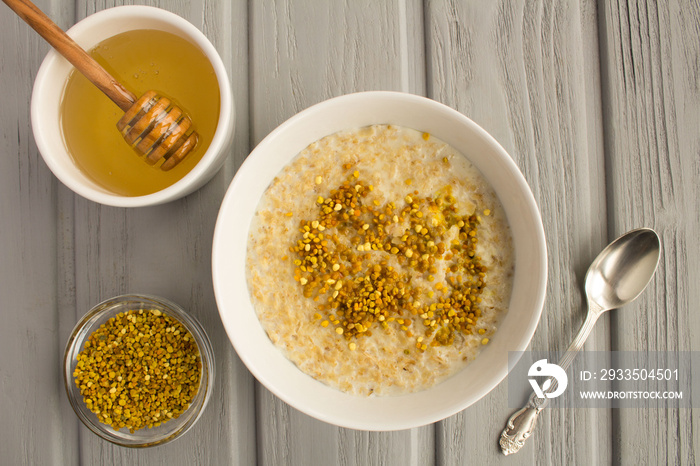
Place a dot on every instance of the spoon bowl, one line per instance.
(623, 269)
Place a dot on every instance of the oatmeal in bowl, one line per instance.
(367, 261)
(379, 260)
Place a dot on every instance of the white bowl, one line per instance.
(51, 80)
(281, 376)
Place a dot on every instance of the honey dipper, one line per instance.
(152, 125)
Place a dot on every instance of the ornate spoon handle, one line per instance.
(522, 423)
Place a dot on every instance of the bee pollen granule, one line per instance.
(139, 369)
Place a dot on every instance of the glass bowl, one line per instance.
(166, 431)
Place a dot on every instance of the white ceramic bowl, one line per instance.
(281, 376)
(51, 80)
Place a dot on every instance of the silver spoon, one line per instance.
(616, 277)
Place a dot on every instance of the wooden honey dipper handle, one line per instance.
(72, 52)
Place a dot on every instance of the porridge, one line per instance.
(379, 261)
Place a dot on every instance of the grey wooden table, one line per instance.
(598, 104)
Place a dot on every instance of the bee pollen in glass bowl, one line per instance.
(139, 369)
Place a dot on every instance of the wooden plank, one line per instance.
(306, 52)
(32, 401)
(650, 54)
(303, 53)
(527, 72)
(166, 251)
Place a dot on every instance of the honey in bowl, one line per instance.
(141, 60)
